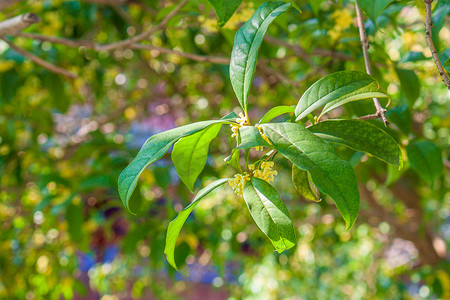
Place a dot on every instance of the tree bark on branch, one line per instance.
(365, 47)
(18, 23)
(428, 26)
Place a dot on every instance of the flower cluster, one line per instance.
(242, 121)
(239, 182)
(264, 171)
(264, 136)
(343, 19)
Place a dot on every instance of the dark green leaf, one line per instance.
(426, 159)
(315, 5)
(275, 112)
(269, 213)
(332, 175)
(250, 137)
(246, 46)
(337, 89)
(175, 226)
(360, 136)
(373, 8)
(153, 149)
(225, 9)
(409, 83)
(74, 219)
(302, 183)
(189, 154)
(400, 116)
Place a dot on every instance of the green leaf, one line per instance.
(331, 174)
(175, 226)
(234, 159)
(250, 137)
(426, 159)
(74, 219)
(373, 8)
(409, 83)
(224, 9)
(246, 46)
(337, 89)
(400, 116)
(302, 183)
(190, 153)
(275, 112)
(155, 148)
(360, 136)
(269, 213)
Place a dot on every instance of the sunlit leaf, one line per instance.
(250, 137)
(270, 213)
(337, 89)
(153, 149)
(246, 45)
(360, 136)
(189, 154)
(331, 174)
(275, 112)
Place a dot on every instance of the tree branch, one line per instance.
(365, 47)
(437, 61)
(143, 35)
(18, 23)
(40, 61)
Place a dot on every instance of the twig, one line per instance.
(196, 57)
(428, 25)
(40, 61)
(143, 35)
(18, 23)
(365, 47)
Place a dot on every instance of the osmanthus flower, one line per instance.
(264, 172)
(242, 121)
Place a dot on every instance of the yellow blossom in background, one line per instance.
(343, 20)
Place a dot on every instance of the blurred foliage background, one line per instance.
(66, 133)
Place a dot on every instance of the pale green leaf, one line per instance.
(373, 8)
(269, 213)
(175, 226)
(304, 186)
(247, 41)
(360, 136)
(190, 153)
(225, 9)
(426, 159)
(337, 89)
(331, 174)
(275, 112)
(155, 148)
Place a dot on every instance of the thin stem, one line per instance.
(428, 26)
(365, 47)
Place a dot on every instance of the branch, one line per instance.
(18, 23)
(40, 61)
(143, 35)
(365, 47)
(196, 57)
(428, 25)
(303, 54)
